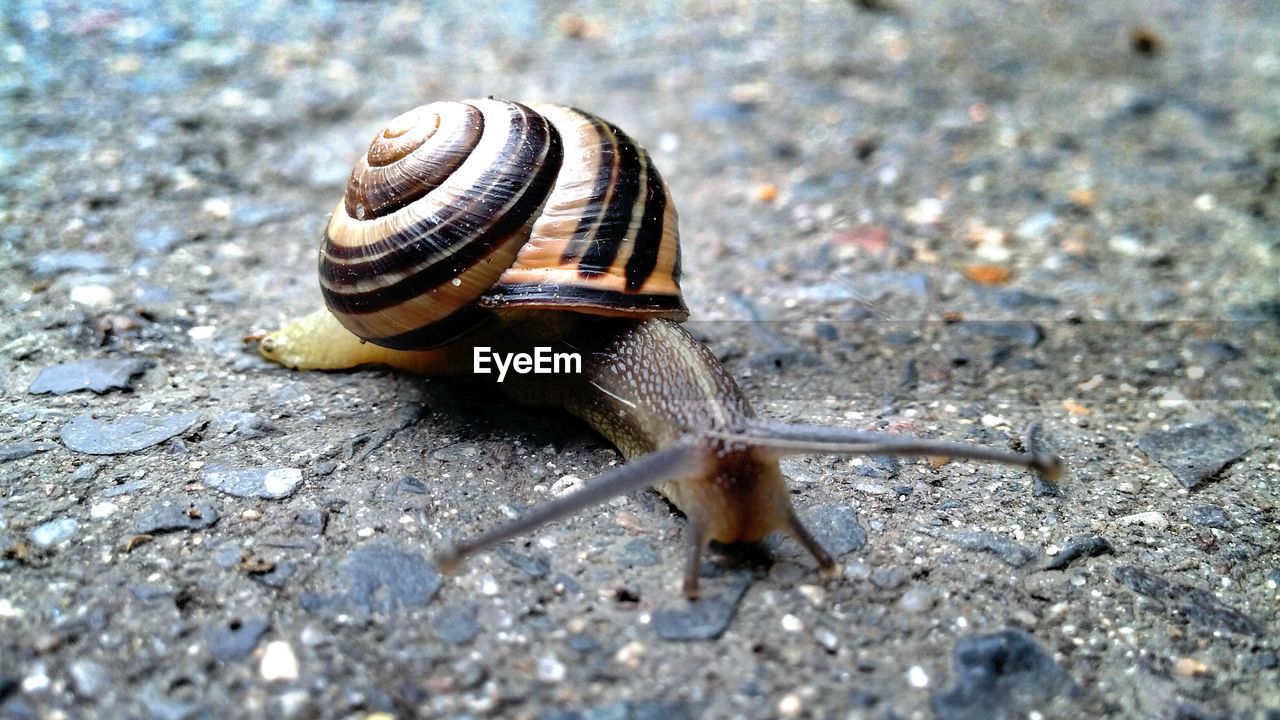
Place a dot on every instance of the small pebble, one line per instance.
(550, 669)
(382, 577)
(1190, 667)
(457, 625)
(706, 619)
(171, 514)
(827, 639)
(630, 655)
(1209, 516)
(791, 623)
(1196, 452)
(58, 262)
(836, 528)
(53, 532)
(813, 593)
(235, 639)
(1151, 519)
(20, 450)
(130, 433)
(97, 376)
(1078, 547)
(917, 677)
(279, 664)
(271, 483)
(89, 680)
(1005, 674)
(791, 705)
(917, 600)
(926, 211)
(97, 297)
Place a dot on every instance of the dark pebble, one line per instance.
(582, 642)
(1002, 675)
(1213, 353)
(240, 425)
(704, 619)
(171, 514)
(903, 489)
(19, 450)
(277, 577)
(87, 434)
(909, 376)
(408, 485)
(235, 639)
(879, 466)
(1009, 552)
(888, 578)
(1196, 452)
(98, 376)
(1209, 516)
(1078, 547)
(270, 483)
(85, 472)
(836, 528)
(1197, 605)
(629, 710)
(1016, 299)
(639, 553)
(324, 468)
(59, 262)
(566, 582)
(535, 566)
(313, 519)
(1267, 660)
(1026, 334)
(863, 699)
(900, 338)
(380, 577)
(125, 488)
(159, 707)
(456, 625)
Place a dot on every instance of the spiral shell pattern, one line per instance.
(462, 209)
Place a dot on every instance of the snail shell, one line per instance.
(462, 209)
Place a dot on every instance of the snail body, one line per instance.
(556, 230)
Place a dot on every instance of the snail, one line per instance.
(498, 225)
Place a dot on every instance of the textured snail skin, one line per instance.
(423, 261)
(647, 385)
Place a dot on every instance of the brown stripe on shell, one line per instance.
(648, 242)
(392, 276)
(640, 268)
(412, 156)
